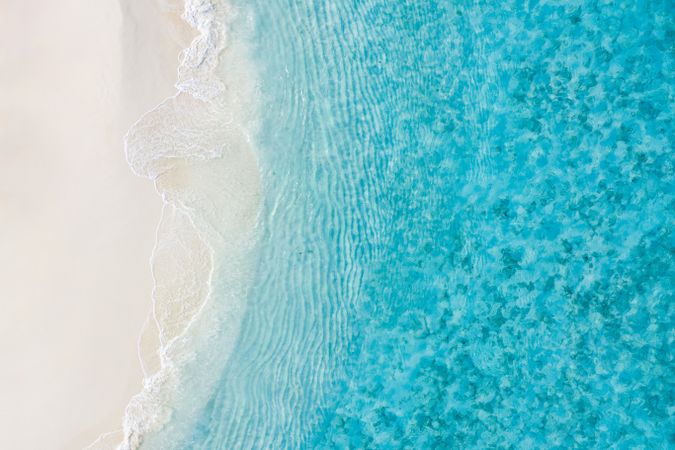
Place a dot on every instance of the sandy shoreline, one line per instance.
(76, 226)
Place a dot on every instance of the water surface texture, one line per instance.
(466, 231)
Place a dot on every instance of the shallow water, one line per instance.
(466, 228)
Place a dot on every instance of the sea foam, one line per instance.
(197, 148)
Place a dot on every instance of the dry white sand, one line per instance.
(76, 226)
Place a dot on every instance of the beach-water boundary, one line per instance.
(196, 146)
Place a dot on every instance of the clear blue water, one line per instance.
(467, 229)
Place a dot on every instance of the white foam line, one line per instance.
(138, 344)
(154, 278)
(203, 85)
(101, 438)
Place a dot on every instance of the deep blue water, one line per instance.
(467, 229)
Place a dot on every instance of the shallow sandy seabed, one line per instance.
(76, 226)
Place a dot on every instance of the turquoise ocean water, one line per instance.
(466, 232)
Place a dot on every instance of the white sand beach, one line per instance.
(76, 226)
